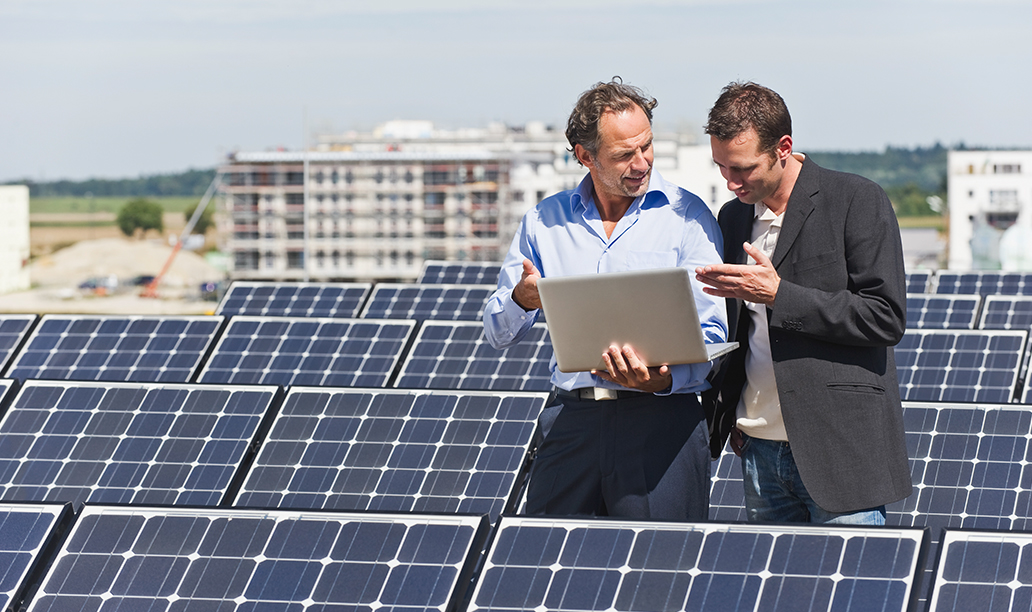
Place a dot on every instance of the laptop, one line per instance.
(651, 310)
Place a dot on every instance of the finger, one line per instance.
(529, 269)
(619, 364)
(634, 363)
(759, 256)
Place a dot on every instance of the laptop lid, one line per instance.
(651, 310)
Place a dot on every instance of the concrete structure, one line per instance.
(14, 238)
(990, 202)
(381, 203)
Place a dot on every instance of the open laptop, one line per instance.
(651, 310)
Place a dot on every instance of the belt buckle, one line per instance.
(601, 393)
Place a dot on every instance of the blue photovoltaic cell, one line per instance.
(984, 571)
(460, 273)
(933, 311)
(127, 442)
(970, 468)
(983, 283)
(390, 450)
(24, 530)
(13, 328)
(727, 496)
(178, 560)
(1007, 312)
(340, 300)
(440, 302)
(458, 356)
(959, 365)
(569, 564)
(918, 282)
(299, 351)
(115, 348)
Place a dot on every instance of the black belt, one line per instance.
(597, 394)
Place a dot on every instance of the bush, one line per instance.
(140, 214)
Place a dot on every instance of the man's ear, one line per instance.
(582, 156)
(784, 147)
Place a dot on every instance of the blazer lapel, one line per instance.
(800, 205)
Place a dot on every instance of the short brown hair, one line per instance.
(747, 105)
(582, 126)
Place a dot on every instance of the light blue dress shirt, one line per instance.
(563, 236)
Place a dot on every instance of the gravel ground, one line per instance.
(56, 278)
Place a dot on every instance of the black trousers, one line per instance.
(642, 457)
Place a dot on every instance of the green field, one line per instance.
(936, 221)
(71, 204)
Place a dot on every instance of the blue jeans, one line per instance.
(775, 493)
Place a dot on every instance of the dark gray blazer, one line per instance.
(839, 310)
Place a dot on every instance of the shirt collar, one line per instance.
(762, 213)
(656, 193)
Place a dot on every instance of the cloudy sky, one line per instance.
(120, 88)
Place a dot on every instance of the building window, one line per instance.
(1006, 168)
(295, 260)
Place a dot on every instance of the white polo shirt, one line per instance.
(759, 409)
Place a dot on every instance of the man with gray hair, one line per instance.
(630, 440)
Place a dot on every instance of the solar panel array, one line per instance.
(439, 302)
(163, 560)
(542, 564)
(307, 351)
(390, 450)
(457, 356)
(933, 311)
(1006, 312)
(463, 273)
(294, 299)
(959, 366)
(13, 329)
(983, 282)
(983, 571)
(115, 348)
(25, 530)
(127, 442)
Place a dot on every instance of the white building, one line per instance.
(381, 203)
(990, 202)
(14, 238)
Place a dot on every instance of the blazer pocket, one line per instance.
(856, 388)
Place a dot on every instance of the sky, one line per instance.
(124, 88)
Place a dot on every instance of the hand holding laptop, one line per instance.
(624, 367)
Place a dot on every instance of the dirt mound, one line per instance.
(124, 258)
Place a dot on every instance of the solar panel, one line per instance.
(460, 272)
(127, 442)
(983, 282)
(307, 351)
(389, 450)
(542, 564)
(178, 560)
(458, 356)
(115, 348)
(25, 531)
(13, 329)
(1006, 312)
(294, 299)
(918, 282)
(442, 302)
(932, 311)
(959, 365)
(986, 571)
(727, 493)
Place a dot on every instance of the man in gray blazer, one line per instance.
(813, 260)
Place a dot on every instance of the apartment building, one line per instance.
(381, 203)
(990, 203)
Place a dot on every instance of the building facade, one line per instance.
(990, 210)
(14, 238)
(379, 204)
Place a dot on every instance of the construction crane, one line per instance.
(151, 290)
